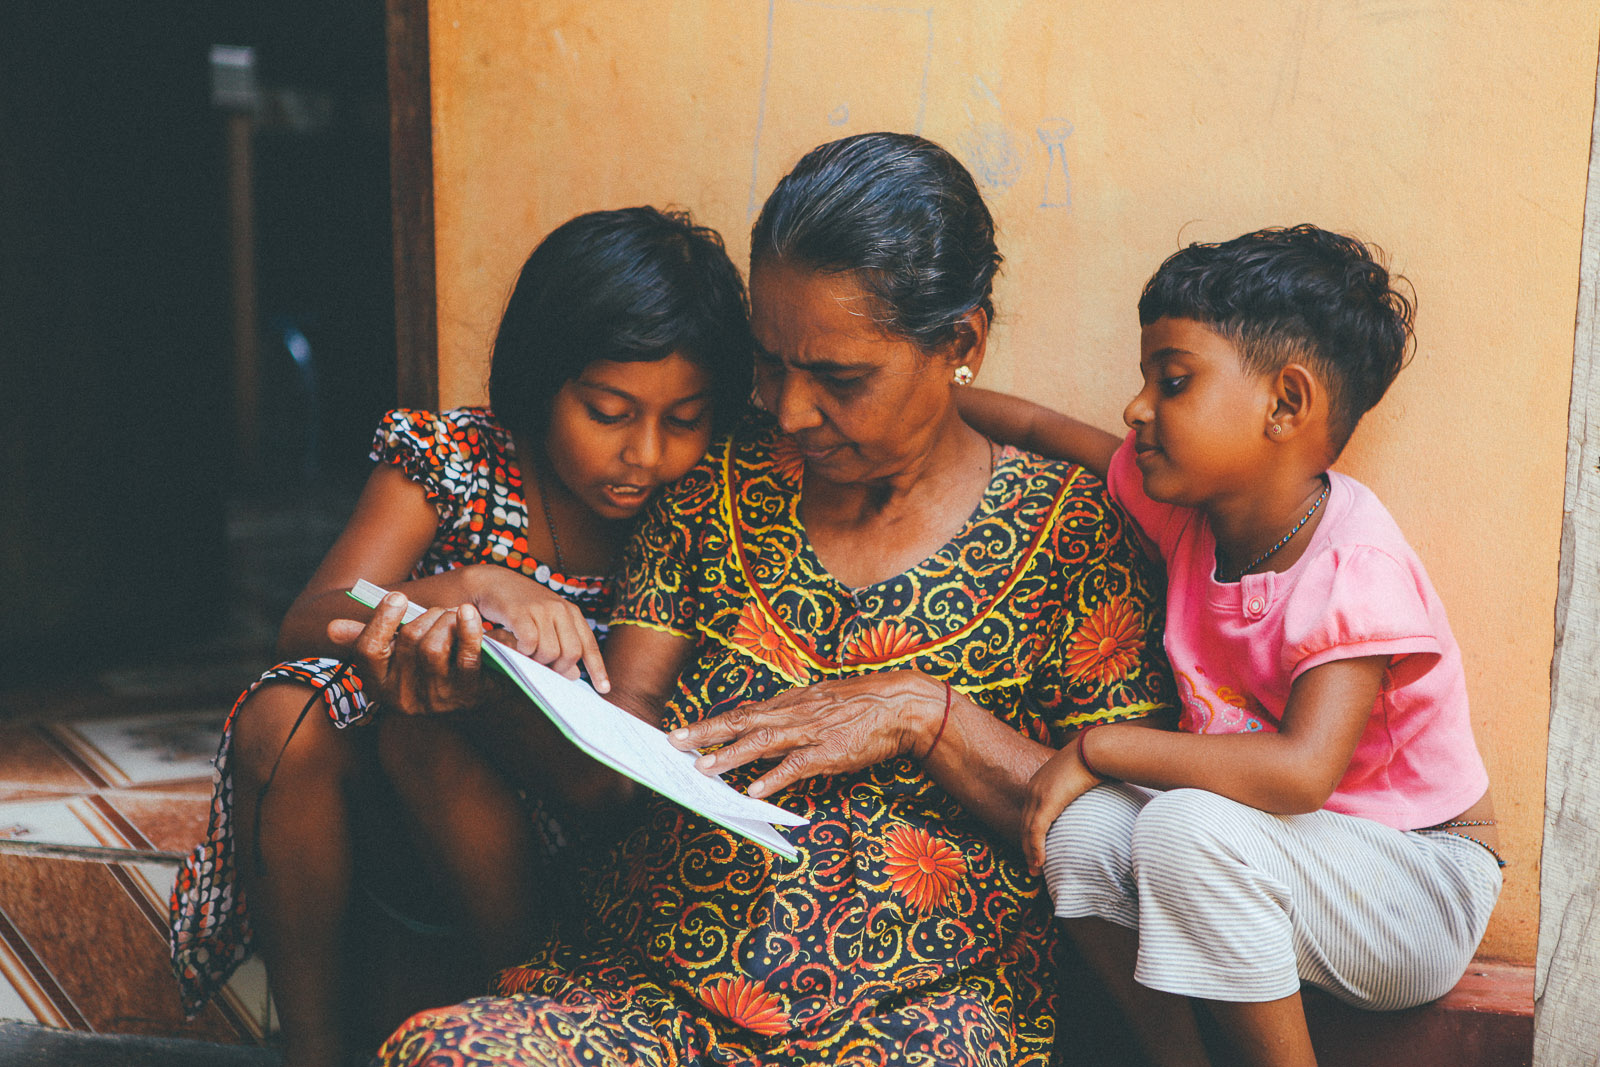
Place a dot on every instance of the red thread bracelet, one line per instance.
(1083, 753)
(948, 693)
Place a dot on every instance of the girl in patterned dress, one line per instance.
(624, 344)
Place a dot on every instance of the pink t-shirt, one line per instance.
(1358, 590)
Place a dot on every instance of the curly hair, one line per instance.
(1290, 293)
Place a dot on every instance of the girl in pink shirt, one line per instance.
(1321, 814)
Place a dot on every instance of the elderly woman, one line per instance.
(878, 619)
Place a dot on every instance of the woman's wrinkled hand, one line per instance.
(429, 666)
(832, 727)
(1063, 779)
(549, 628)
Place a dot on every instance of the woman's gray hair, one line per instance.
(901, 215)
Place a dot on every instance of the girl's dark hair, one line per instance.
(899, 213)
(1298, 293)
(634, 285)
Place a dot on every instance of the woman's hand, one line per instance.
(1058, 783)
(429, 666)
(832, 727)
(548, 627)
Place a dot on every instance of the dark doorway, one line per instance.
(121, 474)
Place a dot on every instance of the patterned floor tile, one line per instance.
(142, 749)
(169, 820)
(87, 950)
(32, 764)
(83, 940)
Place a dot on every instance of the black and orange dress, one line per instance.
(466, 464)
(904, 931)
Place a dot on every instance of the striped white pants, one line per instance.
(1235, 904)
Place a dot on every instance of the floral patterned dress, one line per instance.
(464, 461)
(903, 933)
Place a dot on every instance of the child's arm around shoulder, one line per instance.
(1035, 428)
(1289, 772)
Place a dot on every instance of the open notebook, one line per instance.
(624, 743)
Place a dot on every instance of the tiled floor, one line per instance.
(105, 782)
(94, 816)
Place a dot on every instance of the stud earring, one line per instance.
(963, 375)
(1276, 429)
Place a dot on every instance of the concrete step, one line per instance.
(27, 1045)
(1486, 1021)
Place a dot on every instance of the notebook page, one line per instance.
(628, 745)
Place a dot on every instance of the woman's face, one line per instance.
(620, 431)
(861, 404)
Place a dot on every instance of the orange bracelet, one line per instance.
(948, 693)
(1083, 753)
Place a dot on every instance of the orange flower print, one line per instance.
(755, 634)
(787, 462)
(884, 641)
(923, 868)
(1107, 644)
(516, 980)
(747, 1004)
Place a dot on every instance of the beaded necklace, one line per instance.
(1268, 554)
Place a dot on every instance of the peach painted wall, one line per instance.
(1454, 135)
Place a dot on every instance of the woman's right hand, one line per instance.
(548, 628)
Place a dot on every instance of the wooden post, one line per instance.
(411, 202)
(242, 252)
(1567, 985)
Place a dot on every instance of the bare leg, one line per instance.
(474, 830)
(1270, 1033)
(299, 893)
(1162, 1023)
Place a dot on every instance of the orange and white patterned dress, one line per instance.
(905, 931)
(465, 463)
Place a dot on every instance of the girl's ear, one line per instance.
(971, 339)
(1296, 397)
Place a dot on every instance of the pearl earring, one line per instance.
(963, 375)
